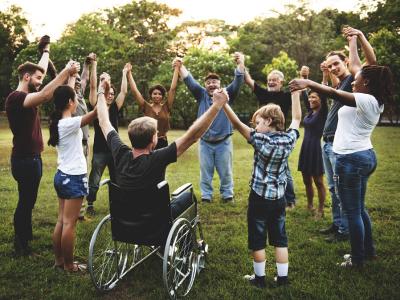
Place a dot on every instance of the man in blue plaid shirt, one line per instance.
(266, 210)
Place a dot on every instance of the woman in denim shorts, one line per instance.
(70, 181)
(355, 156)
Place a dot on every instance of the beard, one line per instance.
(32, 88)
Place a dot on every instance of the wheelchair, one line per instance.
(140, 225)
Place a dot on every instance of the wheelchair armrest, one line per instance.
(104, 181)
(181, 189)
(161, 184)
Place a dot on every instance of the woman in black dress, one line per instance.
(310, 160)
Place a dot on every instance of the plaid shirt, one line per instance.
(271, 152)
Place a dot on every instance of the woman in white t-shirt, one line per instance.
(355, 157)
(70, 180)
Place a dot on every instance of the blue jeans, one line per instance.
(290, 196)
(339, 219)
(216, 156)
(27, 171)
(70, 186)
(353, 171)
(99, 162)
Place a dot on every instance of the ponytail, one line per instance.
(53, 127)
(62, 95)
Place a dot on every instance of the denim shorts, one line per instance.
(70, 186)
(266, 219)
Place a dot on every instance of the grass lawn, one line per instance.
(313, 270)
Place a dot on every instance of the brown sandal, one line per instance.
(78, 268)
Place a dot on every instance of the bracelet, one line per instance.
(98, 93)
(46, 51)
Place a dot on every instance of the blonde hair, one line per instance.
(272, 112)
(141, 132)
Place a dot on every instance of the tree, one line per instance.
(208, 34)
(13, 38)
(304, 34)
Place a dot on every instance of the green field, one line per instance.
(313, 270)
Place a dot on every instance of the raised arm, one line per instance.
(243, 129)
(71, 81)
(102, 110)
(89, 117)
(124, 86)
(234, 87)
(85, 73)
(248, 80)
(93, 82)
(176, 64)
(366, 47)
(200, 126)
(35, 99)
(296, 110)
(194, 87)
(345, 98)
(135, 91)
(44, 47)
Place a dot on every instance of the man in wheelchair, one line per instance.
(141, 167)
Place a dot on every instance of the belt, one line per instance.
(328, 139)
(218, 140)
(84, 142)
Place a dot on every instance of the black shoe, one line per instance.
(281, 280)
(90, 210)
(228, 200)
(337, 237)
(205, 200)
(290, 205)
(257, 281)
(331, 229)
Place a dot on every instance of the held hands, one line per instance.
(220, 97)
(304, 72)
(90, 58)
(73, 67)
(351, 33)
(177, 62)
(127, 68)
(105, 76)
(238, 58)
(298, 84)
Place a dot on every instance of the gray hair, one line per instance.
(278, 73)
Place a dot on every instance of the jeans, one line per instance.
(99, 162)
(353, 171)
(27, 171)
(290, 196)
(216, 156)
(339, 219)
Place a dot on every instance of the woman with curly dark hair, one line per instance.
(355, 156)
(156, 108)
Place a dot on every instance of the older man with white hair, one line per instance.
(274, 93)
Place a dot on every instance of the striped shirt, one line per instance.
(271, 152)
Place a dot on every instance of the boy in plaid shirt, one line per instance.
(266, 210)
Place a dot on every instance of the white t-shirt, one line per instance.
(355, 124)
(71, 160)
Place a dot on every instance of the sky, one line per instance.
(51, 16)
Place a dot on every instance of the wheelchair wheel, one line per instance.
(180, 259)
(106, 257)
